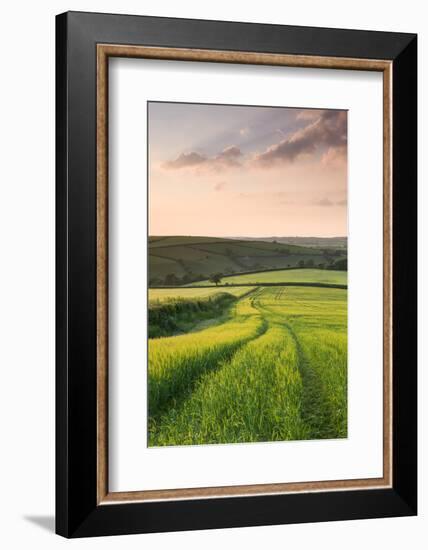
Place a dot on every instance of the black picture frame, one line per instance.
(77, 511)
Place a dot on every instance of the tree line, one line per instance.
(171, 279)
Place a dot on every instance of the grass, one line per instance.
(161, 295)
(317, 320)
(175, 311)
(221, 245)
(176, 362)
(286, 276)
(164, 266)
(256, 396)
(274, 370)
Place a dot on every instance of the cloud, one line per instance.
(328, 130)
(325, 131)
(228, 158)
(325, 201)
(309, 114)
(220, 186)
(244, 131)
(185, 160)
(276, 198)
(335, 156)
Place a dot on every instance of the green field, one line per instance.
(271, 365)
(318, 242)
(285, 276)
(182, 310)
(180, 260)
(162, 295)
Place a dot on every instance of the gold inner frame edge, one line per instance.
(104, 52)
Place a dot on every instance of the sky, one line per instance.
(240, 171)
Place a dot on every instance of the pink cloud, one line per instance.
(220, 186)
(185, 160)
(230, 157)
(325, 201)
(328, 130)
(335, 156)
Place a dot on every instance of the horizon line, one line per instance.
(252, 236)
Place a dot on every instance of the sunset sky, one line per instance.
(218, 170)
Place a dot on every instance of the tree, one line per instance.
(186, 278)
(216, 278)
(341, 265)
(310, 263)
(171, 279)
(301, 263)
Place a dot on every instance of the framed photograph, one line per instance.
(236, 274)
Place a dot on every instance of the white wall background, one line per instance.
(27, 272)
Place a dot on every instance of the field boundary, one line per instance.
(293, 268)
(307, 284)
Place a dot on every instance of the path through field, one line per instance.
(275, 370)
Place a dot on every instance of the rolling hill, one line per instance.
(317, 242)
(175, 260)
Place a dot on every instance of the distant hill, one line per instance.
(183, 259)
(318, 242)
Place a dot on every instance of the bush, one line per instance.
(340, 265)
(171, 317)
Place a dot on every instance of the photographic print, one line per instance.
(247, 271)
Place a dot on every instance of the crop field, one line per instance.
(273, 367)
(162, 295)
(286, 276)
(181, 310)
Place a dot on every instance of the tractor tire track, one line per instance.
(316, 411)
(176, 402)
